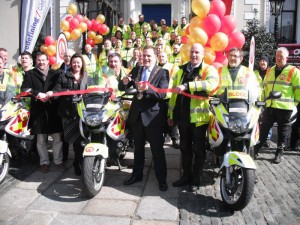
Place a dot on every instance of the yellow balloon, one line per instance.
(196, 21)
(43, 48)
(209, 55)
(64, 25)
(91, 34)
(107, 32)
(67, 34)
(98, 39)
(219, 42)
(75, 34)
(55, 66)
(82, 27)
(100, 18)
(51, 50)
(185, 52)
(72, 9)
(201, 7)
(198, 35)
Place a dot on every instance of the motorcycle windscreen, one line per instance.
(237, 108)
(95, 102)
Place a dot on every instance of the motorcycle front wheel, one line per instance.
(4, 166)
(93, 174)
(238, 193)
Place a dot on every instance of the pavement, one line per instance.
(29, 196)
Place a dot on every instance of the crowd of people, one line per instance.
(140, 52)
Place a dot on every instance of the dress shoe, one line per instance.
(278, 158)
(163, 187)
(181, 182)
(45, 168)
(132, 180)
(194, 188)
(60, 166)
(175, 144)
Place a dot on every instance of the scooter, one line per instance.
(14, 118)
(103, 126)
(233, 131)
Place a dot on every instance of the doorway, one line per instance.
(157, 12)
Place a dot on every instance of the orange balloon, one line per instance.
(82, 27)
(185, 52)
(68, 35)
(43, 48)
(91, 34)
(201, 7)
(198, 35)
(75, 34)
(100, 18)
(219, 42)
(51, 50)
(98, 39)
(209, 56)
(64, 25)
(72, 9)
(196, 21)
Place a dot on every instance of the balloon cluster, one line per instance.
(215, 31)
(73, 26)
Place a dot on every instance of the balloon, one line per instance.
(91, 34)
(228, 24)
(98, 39)
(95, 25)
(90, 42)
(209, 56)
(196, 21)
(185, 52)
(75, 34)
(100, 18)
(52, 60)
(72, 9)
(217, 64)
(107, 31)
(219, 41)
(184, 39)
(235, 39)
(64, 25)
(51, 50)
(67, 34)
(220, 57)
(88, 23)
(79, 17)
(211, 24)
(218, 8)
(49, 40)
(82, 27)
(74, 23)
(102, 28)
(43, 48)
(68, 18)
(201, 7)
(198, 35)
(55, 66)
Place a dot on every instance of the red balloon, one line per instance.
(218, 8)
(89, 24)
(95, 26)
(74, 23)
(184, 39)
(228, 24)
(187, 30)
(90, 42)
(235, 40)
(49, 40)
(211, 24)
(68, 18)
(220, 57)
(79, 17)
(52, 60)
(102, 28)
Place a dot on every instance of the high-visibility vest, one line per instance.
(208, 81)
(173, 69)
(288, 83)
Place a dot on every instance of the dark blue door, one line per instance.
(157, 12)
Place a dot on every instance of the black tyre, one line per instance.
(4, 166)
(238, 193)
(93, 174)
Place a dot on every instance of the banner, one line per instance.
(33, 15)
(252, 53)
(61, 48)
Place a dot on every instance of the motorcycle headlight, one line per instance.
(238, 124)
(93, 119)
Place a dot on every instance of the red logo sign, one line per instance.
(89, 149)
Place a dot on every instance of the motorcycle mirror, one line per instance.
(275, 95)
(131, 91)
(77, 98)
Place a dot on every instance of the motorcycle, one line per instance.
(103, 126)
(233, 131)
(14, 117)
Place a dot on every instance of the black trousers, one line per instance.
(192, 146)
(154, 135)
(269, 117)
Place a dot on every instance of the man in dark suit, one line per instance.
(43, 112)
(147, 116)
